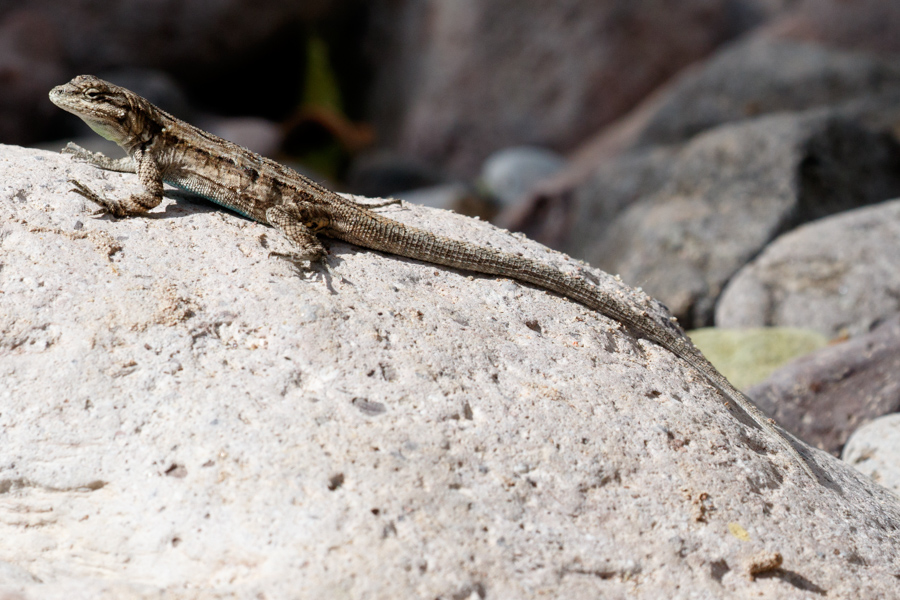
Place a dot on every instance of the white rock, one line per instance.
(874, 449)
(838, 275)
(182, 415)
(512, 172)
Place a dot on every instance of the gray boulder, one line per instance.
(509, 174)
(874, 449)
(760, 76)
(839, 275)
(755, 76)
(720, 199)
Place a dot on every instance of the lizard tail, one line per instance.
(384, 234)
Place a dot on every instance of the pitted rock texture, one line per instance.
(184, 415)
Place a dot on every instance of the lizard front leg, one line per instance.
(149, 174)
(100, 160)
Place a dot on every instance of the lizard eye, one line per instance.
(92, 93)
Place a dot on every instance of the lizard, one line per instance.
(162, 148)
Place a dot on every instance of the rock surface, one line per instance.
(874, 449)
(184, 415)
(838, 275)
(824, 397)
(726, 194)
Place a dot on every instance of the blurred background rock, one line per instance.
(393, 95)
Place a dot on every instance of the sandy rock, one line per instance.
(837, 275)
(184, 416)
(874, 449)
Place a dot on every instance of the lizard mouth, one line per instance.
(61, 96)
(56, 94)
(95, 109)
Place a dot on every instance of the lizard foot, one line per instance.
(106, 205)
(123, 165)
(78, 153)
(289, 221)
(301, 257)
(305, 263)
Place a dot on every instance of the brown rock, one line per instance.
(209, 44)
(868, 25)
(193, 35)
(458, 80)
(824, 397)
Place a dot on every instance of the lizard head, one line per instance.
(112, 111)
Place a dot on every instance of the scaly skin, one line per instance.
(163, 149)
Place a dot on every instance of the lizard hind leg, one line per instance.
(289, 221)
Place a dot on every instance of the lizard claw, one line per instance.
(302, 257)
(77, 152)
(307, 262)
(85, 191)
(106, 206)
